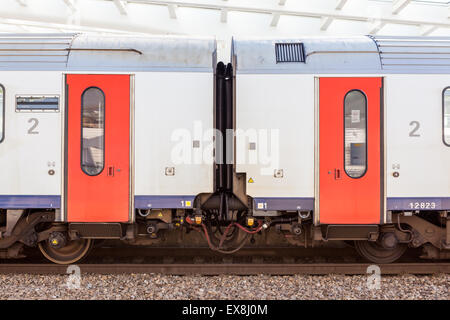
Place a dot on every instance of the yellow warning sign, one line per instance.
(160, 214)
(250, 180)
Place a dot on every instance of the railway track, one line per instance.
(231, 268)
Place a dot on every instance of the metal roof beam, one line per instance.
(340, 4)
(278, 8)
(71, 5)
(399, 5)
(337, 15)
(275, 19)
(121, 6)
(23, 3)
(57, 26)
(376, 26)
(223, 15)
(325, 23)
(427, 30)
(172, 11)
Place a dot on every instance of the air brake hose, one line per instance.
(222, 239)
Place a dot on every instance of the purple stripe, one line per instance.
(162, 202)
(29, 202)
(418, 203)
(283, 203)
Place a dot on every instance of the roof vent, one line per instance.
(289, 52)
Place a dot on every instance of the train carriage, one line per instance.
(88, 128)
(363, 127)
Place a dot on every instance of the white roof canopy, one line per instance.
(226, 18)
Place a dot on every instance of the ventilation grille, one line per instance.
(34, 49)
(407, 53)
(289, 52)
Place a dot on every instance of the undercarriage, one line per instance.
(66, 243)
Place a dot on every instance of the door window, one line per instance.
(2, 113)
(93, 131)
(355, 134)
(446, 115)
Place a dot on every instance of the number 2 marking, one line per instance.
(33, 126)
(415, 129)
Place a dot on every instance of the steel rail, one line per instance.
(231, 268)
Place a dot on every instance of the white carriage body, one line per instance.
(173, 106)
(172, 91)
(32, 142)
(182, 105)
(285, 97)
(420, 157)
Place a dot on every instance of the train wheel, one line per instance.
(71, 252)
(376, 253)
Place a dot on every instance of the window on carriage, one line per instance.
(93, 131)
(2, 113)
(446, 116)
(355, 134)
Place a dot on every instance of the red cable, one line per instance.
(222, 239)
(248, 231)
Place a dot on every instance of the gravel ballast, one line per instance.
(156, 286)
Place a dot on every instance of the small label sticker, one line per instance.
(188, 203)
(356, 116)
(260, 205)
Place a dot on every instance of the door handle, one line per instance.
(111, 171)
(337, 174)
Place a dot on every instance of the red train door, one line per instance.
(350, 151)
(98, 148)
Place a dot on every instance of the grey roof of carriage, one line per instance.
(78, 52)
(358, 55)
(324, 55)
